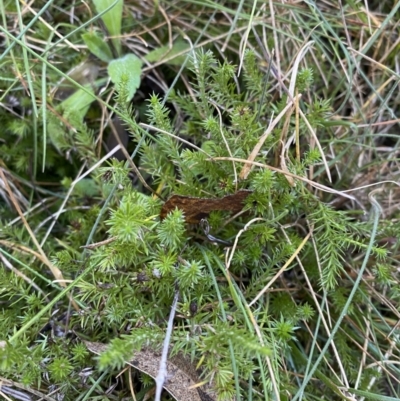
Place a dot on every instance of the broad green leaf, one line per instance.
(86, 187)
(56, 134)
(112, 19)
(78, 103)
(164, 52)
(97, 46)
(126, 71)
(371, 396)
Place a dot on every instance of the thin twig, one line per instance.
(162, 372)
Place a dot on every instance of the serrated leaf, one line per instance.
(126, 70)
(112, 19)
(97, 46)
(164, 52)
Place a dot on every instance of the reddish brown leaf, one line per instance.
(196, 209)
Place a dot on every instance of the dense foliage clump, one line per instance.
(298, 288)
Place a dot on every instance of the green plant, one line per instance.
(289, 304)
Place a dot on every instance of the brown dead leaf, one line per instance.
(182, 376)
(196, 209)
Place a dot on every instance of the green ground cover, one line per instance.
(219, 180)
